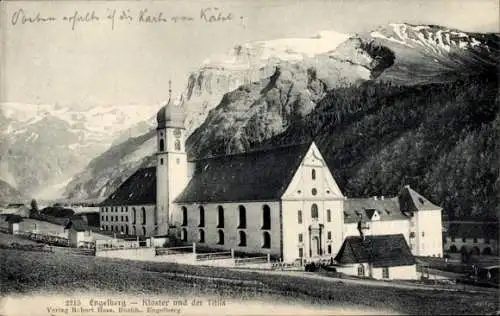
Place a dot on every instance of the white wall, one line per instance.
(395, 273)
(254, 221)
(428, 233)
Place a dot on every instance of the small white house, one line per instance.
(378, 256)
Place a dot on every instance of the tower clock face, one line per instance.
(177, 133)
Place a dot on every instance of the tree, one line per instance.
(34, 208)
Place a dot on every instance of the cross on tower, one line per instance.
(169, 89)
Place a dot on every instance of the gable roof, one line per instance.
(251, 176)
(380, 251)
(138, 189)
(388, 209)
(413, 201)
(77, 224)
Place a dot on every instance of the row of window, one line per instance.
(474, 240)
(361, 271)
(113, 218)
(115, 209)
(123, 229)
(134, 217)
(315, 214)
(242, 217)
(329, 236)
(301, 251)
(266, 238)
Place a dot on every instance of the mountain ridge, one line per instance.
(270, 100)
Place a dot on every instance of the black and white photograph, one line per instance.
(266, 157)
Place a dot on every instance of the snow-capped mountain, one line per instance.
(257, 90)
(246, 63)
(43, 146)
(427, 53)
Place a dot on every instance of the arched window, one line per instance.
(243, 239)
(155, 215)
(314, 211)
(453, 248)
(313, 174)
(177, 144)
(266, 240)
(221, 237)
(299, 217)
(202, 235)
(184, 216)
(328, 215)
(143, 216)
(184, 236)
(162, 145)
(361, 270)
(266, 217)
(243, 217)
(220, 217)
(144, 231)
(134, 215)
(126, 230)
(476, 251)
(202, 216)
(133, 231)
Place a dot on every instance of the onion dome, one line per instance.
(171, 115)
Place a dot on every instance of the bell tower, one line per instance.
(171, 163)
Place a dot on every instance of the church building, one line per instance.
(283, 202)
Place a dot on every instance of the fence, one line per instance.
(286, 265)
(111, 244)
(253, 260)
(175, 250)
(46, 239)
(73, 251)
(214, 255)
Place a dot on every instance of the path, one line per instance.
(394, 284)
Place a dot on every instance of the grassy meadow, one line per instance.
(25, 272)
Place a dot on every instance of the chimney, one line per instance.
(360, 228)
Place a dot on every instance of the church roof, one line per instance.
(252, 176)
(380, 251)
(388, 209)
(138, 189)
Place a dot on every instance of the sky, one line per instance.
(101, 62)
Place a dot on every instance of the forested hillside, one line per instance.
(442, 139)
